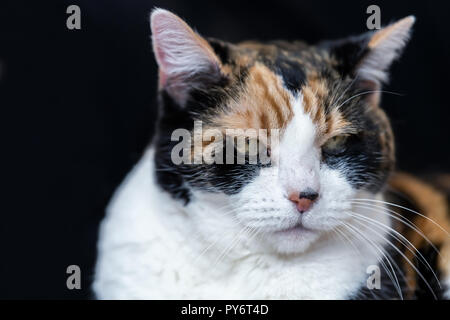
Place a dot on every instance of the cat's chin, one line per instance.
(292, 240)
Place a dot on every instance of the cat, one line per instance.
(326, 218)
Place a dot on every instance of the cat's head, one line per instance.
(321, 102)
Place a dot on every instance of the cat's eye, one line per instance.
(336, 145)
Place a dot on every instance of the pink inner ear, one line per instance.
(162, 65)
(160, 57)
(162, 79)
(162, 24)
(181, 54)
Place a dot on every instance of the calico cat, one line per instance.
(325, 218)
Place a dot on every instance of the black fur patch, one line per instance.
(220, 49)
(348, 52)
(178, 179)
(167, 175)
(423, 290)
(292, 73)
(362, 163)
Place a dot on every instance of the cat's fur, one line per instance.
(229, 230)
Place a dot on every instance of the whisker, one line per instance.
(400, 218)
(407, 209)
(423, 260)
(392, 276)
(207, 248)
(347, 239)
(233, 244)
(398, 250)
(346, 89)
(367, 92)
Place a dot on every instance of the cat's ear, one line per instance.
(384, 47)
(184, 58)
(369, 56)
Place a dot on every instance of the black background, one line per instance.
(78, 107)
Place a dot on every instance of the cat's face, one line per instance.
(333, 142)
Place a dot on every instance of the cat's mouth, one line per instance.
(296, 229)
(294, 239)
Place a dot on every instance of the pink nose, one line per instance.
(304, 200)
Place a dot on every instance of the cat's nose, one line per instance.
(304, 200)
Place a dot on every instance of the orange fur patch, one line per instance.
(435, 227)
(330, 125)
(264, 103)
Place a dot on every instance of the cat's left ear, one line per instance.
(186, 60)
(369, 56)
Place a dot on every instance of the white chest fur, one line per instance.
(150, 249)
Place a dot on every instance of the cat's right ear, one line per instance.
(369, 56)
(185, 59)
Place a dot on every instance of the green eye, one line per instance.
(335, 145)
